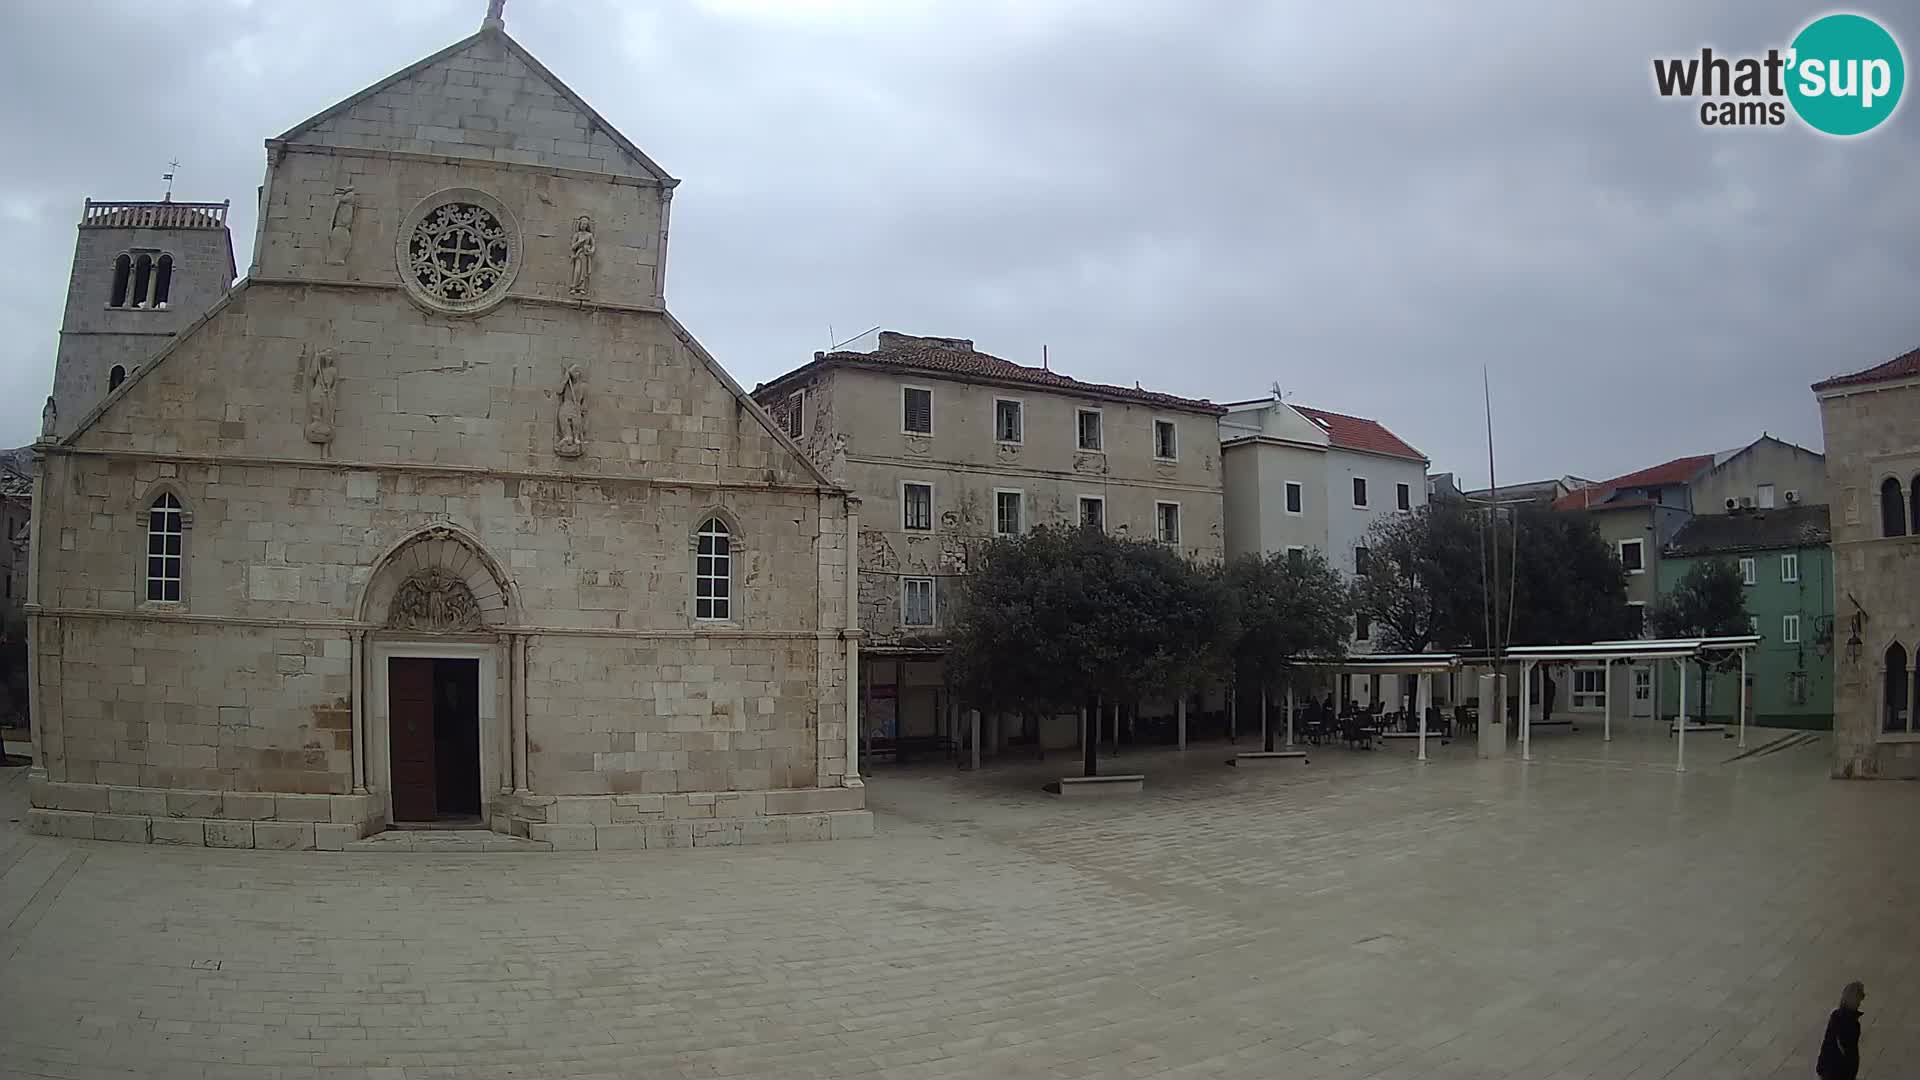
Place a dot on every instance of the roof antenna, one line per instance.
(496, 15)
(1277, 394)
(168, 177)
(1045, 365)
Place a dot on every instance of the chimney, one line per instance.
(891, 340)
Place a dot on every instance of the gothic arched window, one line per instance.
(165, 532)
(1893, 508)
(115, 377)
(162, 281)
(713, 571)
(122, 275)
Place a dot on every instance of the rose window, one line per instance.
(459, 253)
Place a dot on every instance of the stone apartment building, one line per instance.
(440, 516)
(1872, 424)
(945, 446)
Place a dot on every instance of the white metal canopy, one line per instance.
(1678, 650)
(1424, 665)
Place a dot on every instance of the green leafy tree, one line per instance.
(1709, 600)
(1290, 607)
(1052, 618)
(1569, 587)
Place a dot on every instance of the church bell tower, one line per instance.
(141, 272)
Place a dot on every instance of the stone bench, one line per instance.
(1267, 757)
(1093, 787)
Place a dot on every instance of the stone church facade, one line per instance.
(440, 515)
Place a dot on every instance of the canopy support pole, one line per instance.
(1680, 734)
(1422, 698)
(1526, 711)
(1182, 711)
(1743, 699)
(1606, 687)
(1289, 712)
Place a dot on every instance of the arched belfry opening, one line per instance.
(438, 679)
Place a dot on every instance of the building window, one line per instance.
(1633, 557)
(1295, 498)
(162, 282)
(1296, 557)
(1895, 690)
(1166, 442)
(1797, 693)
(713, 571)
(796, 414)
(1361, 561)
(1749, 571)
(916, 410)
(115, 377)
(916, 601)
(1362, 626)
(1009, 421)
(1403, 496)
(1790, 629)
(1636, 618)
(1763, 497)
(1753, 624)
(916, 507)
(1893, 510)
(1360, 491)
(142, 279)
(1167, 521)
(165, 530)
(1093, 512)
(1007, 507)
(1916, 504)
(1589, 688)
(122, 277)
(1089, 429)
(1643, 684)
(1790, 568)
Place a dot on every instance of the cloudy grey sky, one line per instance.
(1363, 202)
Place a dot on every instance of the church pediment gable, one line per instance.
(482, 97)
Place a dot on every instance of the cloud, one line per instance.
(1366, 203)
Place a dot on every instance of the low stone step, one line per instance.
(455, 841)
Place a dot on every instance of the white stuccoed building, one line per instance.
(1298, 477)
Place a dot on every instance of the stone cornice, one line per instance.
(476, 471)
(579, 303)
(330, 150)
(349, 626)
(1017, 472)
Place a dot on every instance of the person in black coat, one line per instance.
(1840, 1046)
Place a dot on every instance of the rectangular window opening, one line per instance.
(1165, 442)
(1007, 507)
(916, 507)
(1295, 498)
(1168, 520)
(916, 601)
(916, 410)
(1088, 421)
(1009, 423)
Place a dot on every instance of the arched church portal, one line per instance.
(434, 671)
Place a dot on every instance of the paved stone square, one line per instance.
(1590, 915)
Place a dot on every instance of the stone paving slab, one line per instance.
(1590, 915)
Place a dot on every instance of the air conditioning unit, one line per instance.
(1746, 502)
(1732, 504)
(1793, 496)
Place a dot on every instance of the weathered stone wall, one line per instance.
(1872, 433)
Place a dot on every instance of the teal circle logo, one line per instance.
(1845, 74)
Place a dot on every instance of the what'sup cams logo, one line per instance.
(1842, 75)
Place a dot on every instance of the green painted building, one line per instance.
(1784, 557)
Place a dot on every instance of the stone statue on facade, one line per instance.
(570, 419)
(582, 256)
(340, 232)
(322, 379)
(435, 602)
(49, 418)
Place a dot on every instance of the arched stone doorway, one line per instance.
(438, 722)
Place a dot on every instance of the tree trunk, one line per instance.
(1266, 719)
(1090, 740)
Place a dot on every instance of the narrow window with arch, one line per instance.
(162, 281)
(122, 276)
(115, 377)
(165, 530)
(713, 572)
(1893, 508)
(142, 280)
(1894, 693)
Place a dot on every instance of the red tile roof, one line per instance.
(1680, 470)
(957, 357)
(1904, 366)
(1359, 433)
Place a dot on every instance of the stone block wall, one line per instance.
(1872, 433)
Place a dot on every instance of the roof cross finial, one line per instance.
(496, 15)
(172, 167)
